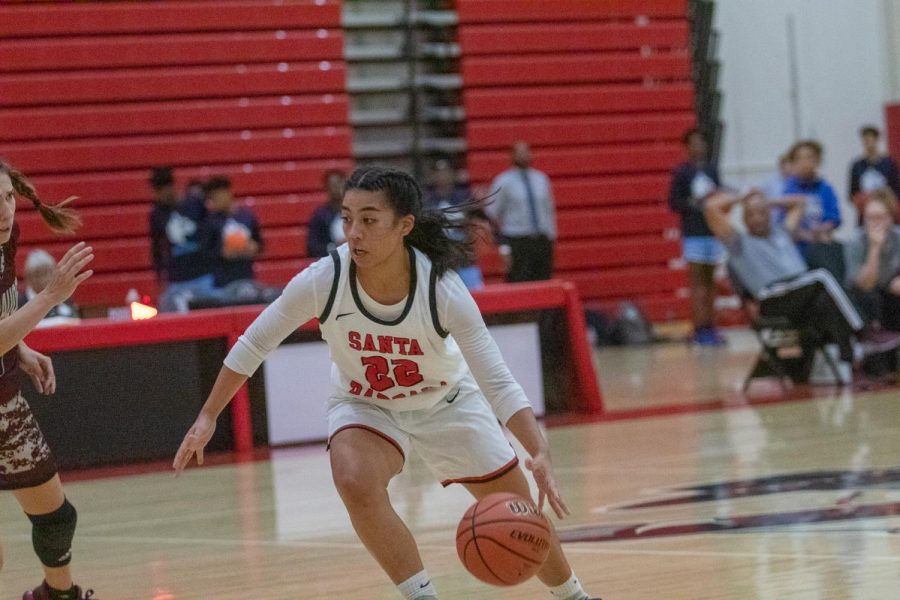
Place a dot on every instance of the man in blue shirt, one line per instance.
(234, 236)
(325, 231)
(180, 258)
(822, 214)
(872, 171)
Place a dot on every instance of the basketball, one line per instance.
(236, 240)
(503, 539)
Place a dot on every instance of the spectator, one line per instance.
(822, 214)
(234, 237)
(39, 266)
(692, 182)
(182, 264)
(775, 186)
(873, 262)
(446, 193)
(524, 211)
(326, 228)
(770, 268)
(872, 171)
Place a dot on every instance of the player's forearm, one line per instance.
(525, 427)
(227, 384)
(15, 327)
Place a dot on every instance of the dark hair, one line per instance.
(429, 234)
(813, 145)
(160, 177)
(216, 182)
(686, 138)
(59, 218)
(869, 130)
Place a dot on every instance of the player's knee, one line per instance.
(355, 486)
(52, 533)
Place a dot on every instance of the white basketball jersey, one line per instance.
(408, 363)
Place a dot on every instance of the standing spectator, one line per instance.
(182, 264)
(873, 262)
(326, 228)
(822, 214)
(444, 194)
(872, 171)
(524, 210)
(234, 237)
(39, 269)
(692, 183)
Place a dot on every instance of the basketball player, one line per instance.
(401, 328)
(26, 464)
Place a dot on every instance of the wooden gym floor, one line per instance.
(687, 491)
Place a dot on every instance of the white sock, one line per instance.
(417, 586)
(570, 590)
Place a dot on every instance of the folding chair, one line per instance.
(787, 350)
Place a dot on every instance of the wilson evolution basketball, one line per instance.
(503, 539)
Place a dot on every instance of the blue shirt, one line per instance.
(227, 270)
(821, 202)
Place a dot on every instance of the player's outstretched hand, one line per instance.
(542, 470)
(68, 273)
(194, 442)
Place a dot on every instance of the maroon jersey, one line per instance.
(9, 300)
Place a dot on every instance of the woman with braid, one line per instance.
(26, 464)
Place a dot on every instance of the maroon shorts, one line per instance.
(25, 459)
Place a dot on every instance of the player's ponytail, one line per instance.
(429, 234)
(59, 218)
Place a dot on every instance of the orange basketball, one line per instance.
(503, 539)
(236, 240)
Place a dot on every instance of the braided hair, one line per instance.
(57, 217)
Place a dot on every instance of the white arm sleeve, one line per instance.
(459, 315)
(303, 299)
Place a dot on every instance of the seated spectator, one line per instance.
(180, 259)
(234, 237)
(768, 265)
(873, 262)
(821, 215)
(39, 266)
(326, 228)
(872, 171)
(445, 193)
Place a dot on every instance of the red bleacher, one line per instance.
(602, 92)
(95, 94)
(109, 120)
(571, 37)
(576, 11)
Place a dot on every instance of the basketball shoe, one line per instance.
(42, 592)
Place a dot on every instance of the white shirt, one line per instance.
(510, 206)
(375, 360)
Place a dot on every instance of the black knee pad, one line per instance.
(52, 534)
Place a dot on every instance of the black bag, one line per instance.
(632, 326)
